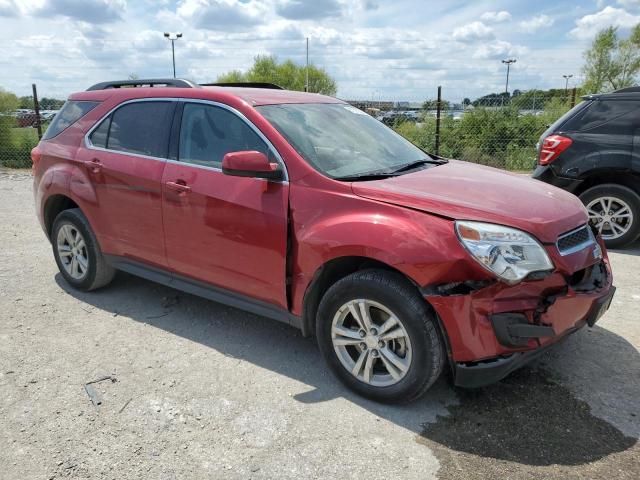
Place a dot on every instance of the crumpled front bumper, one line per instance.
(495, 329)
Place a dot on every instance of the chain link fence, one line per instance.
(498, 131)
(16, 141)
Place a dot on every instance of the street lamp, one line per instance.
(173, 37)
(508, 63)
(566, 83)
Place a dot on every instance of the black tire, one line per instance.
(98, 272)
(628, 196)
(395, 293)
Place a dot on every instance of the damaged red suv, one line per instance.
(304, 209)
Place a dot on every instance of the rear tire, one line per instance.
(77, 252)
(395, 354)
(615, 211)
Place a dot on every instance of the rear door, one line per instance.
(225, 231)
(125, 158)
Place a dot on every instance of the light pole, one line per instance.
(566, 83)
(508, 63)
(173, 37)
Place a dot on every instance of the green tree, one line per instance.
(611, 63)
(8, 101)
(287, 74)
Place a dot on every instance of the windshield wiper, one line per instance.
(391, 173)
(417, 163)
(366, 176)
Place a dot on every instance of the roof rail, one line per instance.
(628, 90)
(272, 86)
(148, 82)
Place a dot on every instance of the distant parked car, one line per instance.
(593, 151)
(393, 118)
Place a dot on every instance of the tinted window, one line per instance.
(99, 136)
(601, 117)
(208, 133)
(70, 113)
(141, 127)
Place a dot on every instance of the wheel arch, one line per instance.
(53, 206)
(625, 178)
(336, 269)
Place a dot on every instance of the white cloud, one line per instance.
(536, 23)
(220, 15)
(496, 17)
(309, 10)
(473, 31)
(498, 49)
(629, 3)
(589, 25)
(92, 11)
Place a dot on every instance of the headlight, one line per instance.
(509, 253)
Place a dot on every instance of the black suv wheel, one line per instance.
(615, 211)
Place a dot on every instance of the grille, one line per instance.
(575, 240)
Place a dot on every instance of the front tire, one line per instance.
(615, 211)
(378, 336)
(77, 252)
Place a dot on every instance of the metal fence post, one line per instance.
(573, 97)
(36, 107)
(438, 108)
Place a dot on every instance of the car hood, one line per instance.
(466, 191)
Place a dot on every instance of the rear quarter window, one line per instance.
(599, 115)
(71, 112)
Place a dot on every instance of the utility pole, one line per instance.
(566, 83)
(508, 63)
(36, 109)
(306, 70)
(173, 37)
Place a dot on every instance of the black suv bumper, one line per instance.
(546, 174)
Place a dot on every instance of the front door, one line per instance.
(229, 232)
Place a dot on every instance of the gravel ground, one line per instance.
(206, 391)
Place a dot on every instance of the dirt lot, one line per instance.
(206, 391)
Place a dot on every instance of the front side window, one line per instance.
(141, 128)
(341, 141)
(71, 112)
(208, 133)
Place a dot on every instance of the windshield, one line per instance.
(342, 141)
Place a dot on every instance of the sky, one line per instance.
(397, 50)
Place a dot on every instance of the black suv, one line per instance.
(593, 151)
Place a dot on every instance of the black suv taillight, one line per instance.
(552, 147)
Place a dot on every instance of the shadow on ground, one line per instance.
(633, 249)
(526, 419)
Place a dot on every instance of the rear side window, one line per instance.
(141, 128)
(208, 133)
(71, 112)
(602, 117)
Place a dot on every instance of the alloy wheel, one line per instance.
(72, 251)
(371, 342)
(611, 216)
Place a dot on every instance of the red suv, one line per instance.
(301, 208)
